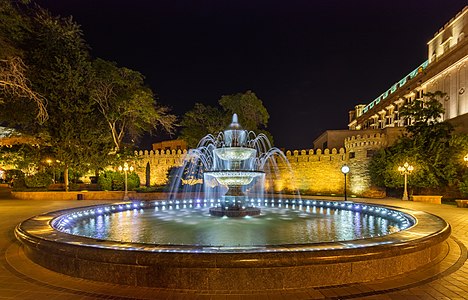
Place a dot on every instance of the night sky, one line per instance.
(309, 61)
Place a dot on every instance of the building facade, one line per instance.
(444, 70)
(170, 145)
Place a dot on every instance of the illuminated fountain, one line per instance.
(233, 165)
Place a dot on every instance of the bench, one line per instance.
(462, 203)
(427, 198)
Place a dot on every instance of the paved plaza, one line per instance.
(23, 279)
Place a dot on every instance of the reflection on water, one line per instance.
(195, 226)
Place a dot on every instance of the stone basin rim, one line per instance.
(141, 265)
(40, 229)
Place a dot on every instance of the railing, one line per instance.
(397, 85)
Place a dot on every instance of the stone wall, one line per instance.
(155, 164)
(359, 153)
(313, 172)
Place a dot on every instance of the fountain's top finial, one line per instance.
(235, 123)
(234, 135)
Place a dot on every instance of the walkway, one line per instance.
(22, 279)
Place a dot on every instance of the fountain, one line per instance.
(237, 236)
(233, 166)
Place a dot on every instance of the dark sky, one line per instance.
(309, 61)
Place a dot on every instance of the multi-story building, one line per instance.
(170, 145)
(445, 70)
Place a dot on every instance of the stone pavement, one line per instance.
(22, 279)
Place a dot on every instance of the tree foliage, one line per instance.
(203, 119)
(426, 115)
(23, 156)
(91, 105)
(249, 108)
(428, 145)
(200, 121)
(61, 71)
(128, 107)
(15, 87)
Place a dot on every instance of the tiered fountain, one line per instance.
(233, 165)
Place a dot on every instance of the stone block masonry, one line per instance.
(313, 172)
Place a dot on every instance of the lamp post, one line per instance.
(345, 171)
(125, 169)
(49, 162)
(405, 170)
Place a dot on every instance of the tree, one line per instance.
(426, 115)
(428, 145)
(200, 121)
(45, 57)
(61, 70)
(15, 87)
(203, 120)
(128, 107)
(249, 108)
(22, 156)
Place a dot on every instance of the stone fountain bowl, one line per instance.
(234, 178)
(198, 267)
(235, 153)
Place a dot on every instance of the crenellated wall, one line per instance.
(360, 149)
(155, 164)
(313, 172)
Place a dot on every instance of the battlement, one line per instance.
(164, 153)
(376, 140)
(317, 155)
(311, 152)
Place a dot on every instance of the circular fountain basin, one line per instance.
(234, 213)
(234, 178)
(235, 153)
(409, 240)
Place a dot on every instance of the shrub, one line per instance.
(150, 189)
(16, 177)
(38, 180)
(115, 181)
(105, 180)
(464, 186)
(133, 181)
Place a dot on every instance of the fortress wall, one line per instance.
(156, 164)
(359, 153)
(313, 172)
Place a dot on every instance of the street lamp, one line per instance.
(125, 169)
(466, 159)
(405, 170)
(345, 171)
(49, 162)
